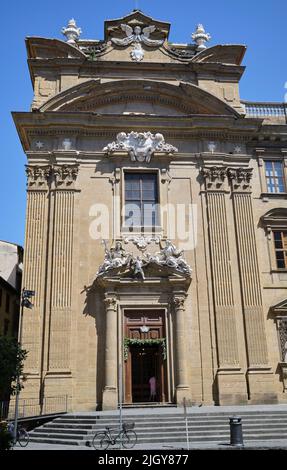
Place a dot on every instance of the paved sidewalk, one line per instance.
(251, 445)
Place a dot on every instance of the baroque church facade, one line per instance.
(156, 227)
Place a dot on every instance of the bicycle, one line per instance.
(22, 435)
(103, 439)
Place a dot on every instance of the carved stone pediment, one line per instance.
(135, 19)
(140, 145)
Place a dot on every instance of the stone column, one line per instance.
(260, 376)
(110, 395)
(230, 379)
(182, 387)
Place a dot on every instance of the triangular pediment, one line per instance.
(136, 18)
(126, 96)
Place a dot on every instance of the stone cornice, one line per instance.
(180, 127)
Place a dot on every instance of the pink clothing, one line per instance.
(152, 384)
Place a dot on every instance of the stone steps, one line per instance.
(160, 428)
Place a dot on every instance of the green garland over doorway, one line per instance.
(144, 342)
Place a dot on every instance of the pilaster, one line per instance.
(230, 380)
(260, 376)
(34, 267)
(63, 194)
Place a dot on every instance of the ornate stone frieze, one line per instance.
(140, 145)
(169, 260)
(214, 177)
(136, 36)
(240, 178)
(38, 176)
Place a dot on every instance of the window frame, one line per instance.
(274, 220)
(273, 161)
(272, 156)
(147, 229)
(283, 237)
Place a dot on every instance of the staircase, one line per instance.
(166, 427)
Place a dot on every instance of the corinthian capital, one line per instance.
(65, 175)
(111, 302)
(214, 177)
(240, 178)
(178, 301)
(38, 176)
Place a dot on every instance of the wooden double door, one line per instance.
(145, 367)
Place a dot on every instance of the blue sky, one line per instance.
(260, 24)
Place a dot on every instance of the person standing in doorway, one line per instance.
(152, 387)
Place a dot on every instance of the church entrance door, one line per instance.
(144, 331)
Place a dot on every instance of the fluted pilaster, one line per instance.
(34, 260)
(248, 264)
(62, 266)
(215, 184)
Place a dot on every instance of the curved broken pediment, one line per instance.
(43, 48)
(125, 95)
(222, 54)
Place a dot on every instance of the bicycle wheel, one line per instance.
(101, 441)
(129, 439)
(23, 437)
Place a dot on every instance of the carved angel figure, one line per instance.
(137, 35)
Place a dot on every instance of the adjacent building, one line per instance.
(156, 234)
(11, 259)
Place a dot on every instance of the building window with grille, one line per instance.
(141, 200)
(280, 241)
(274, 175)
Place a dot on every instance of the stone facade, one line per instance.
(11, 259)
(134, 103)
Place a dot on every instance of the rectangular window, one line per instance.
(7, 308)
(141, 200)
(274, 176)
(280, 241)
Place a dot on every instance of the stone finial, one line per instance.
(72, 32)
(200, 37)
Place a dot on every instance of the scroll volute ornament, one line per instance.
(110, 302)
